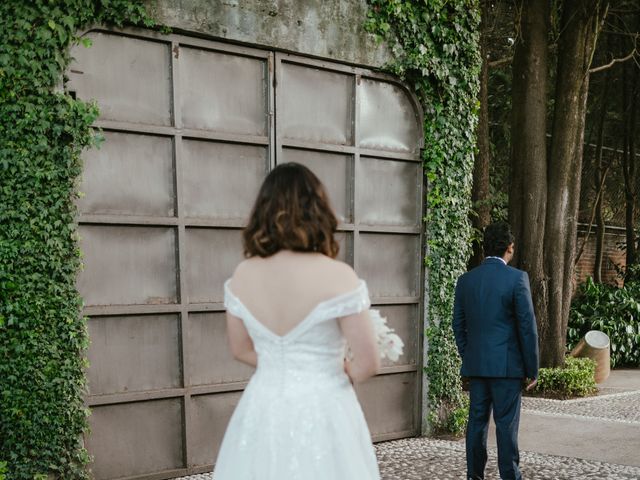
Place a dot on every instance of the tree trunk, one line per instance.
(528, 188)
(598, 179)
(630, 101)
(600, 231)
(580, 23)
(480, 192)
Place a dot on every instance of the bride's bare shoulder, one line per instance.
(244, 269)
(342, 275)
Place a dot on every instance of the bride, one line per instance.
(291, 307)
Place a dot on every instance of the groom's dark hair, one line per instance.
(497, 237)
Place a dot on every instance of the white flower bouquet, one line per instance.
(390, 344)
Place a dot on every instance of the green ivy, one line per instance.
(42, 334)
(436, 49)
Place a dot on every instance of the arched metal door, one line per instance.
(191, 128)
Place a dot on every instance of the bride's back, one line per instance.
(282, 289)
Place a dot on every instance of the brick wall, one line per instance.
(613, 256)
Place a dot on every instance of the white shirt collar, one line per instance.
(499, 258)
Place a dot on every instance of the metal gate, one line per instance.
(191, 128)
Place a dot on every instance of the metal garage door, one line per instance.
(191, 128)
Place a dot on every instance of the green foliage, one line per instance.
(612, 310)
(42, 334)
(457, 418)
(436, 48)
(575, 379)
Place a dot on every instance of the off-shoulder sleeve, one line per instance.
(231, 302)
(349, 303)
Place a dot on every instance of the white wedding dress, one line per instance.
(299, 418)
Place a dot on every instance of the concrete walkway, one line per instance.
(604, 428)
(590, 438)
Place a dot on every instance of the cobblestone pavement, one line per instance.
(429, 459)
(433, 459)
(621, 407)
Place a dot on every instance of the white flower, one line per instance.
(390, 345)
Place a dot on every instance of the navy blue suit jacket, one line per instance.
(494, 323)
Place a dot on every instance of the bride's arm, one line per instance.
(240, 341)
(360, 335)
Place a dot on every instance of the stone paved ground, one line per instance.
(429, 459)
(433, 459)
(619, 407)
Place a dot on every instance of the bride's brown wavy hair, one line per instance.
(292, 212)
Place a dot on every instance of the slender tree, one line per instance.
(528, 185)
(480, 193)
(630, 92)
(599, 175)
(545, 190)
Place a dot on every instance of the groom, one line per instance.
(496, 334)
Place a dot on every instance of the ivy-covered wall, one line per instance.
(42, 334)
(436, 47)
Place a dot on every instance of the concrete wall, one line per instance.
(331, 29)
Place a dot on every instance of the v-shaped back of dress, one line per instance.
(341, 305)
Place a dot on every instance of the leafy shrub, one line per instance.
(458, 417)
(612, 310)
(575, 379)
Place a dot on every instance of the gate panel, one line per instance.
(211, 413)
(389, 403)
(211, 256)
(220, 179)
(129, 175)
(210, 359)
(223, 93)
(136, 438)
(388, 118)
(389, 262)
(317, 106)
(388, 193)
(134, 354)
(128, 265)
(133, 86)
